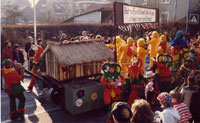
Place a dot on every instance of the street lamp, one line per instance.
(35, 29)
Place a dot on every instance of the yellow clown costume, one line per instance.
(153, 43)
(142, 52)
(163, 46)
(128, 51)
(119, 43)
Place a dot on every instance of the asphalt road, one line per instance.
(40, 109)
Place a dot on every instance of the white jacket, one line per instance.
(170, 115)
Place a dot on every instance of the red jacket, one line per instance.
(7, 53)
(11, 76)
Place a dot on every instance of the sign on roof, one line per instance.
(194, 19)
(127, 14)
(133, 14)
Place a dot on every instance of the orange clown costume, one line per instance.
(163, 46)
(36, 61)
(128, 51)
(142, 52)
(153, 43)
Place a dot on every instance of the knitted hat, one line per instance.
(164, 98)
(7, 62)
(122, 111)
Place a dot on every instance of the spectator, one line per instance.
(84, 36)
(195, 105)
(18, 54)
(40, 43)
(142, 112)
(121, 112)
(7, 52)
(28, 45)
(182, 108)
(27, 48)
(169, 114)
(63, 37)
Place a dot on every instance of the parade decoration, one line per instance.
(79, 102)
(94, 96)
(81, 93)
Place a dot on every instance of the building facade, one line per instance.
(170, 10)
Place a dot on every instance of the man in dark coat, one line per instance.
(27, 48)
(18, 54)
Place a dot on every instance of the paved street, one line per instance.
(40, 109)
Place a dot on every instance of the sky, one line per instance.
(31, 1)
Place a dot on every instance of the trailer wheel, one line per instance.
(55, 96)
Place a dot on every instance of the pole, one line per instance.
(175, 8)
(188, 9)
(35, 29)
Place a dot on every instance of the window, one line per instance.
(165, 1)
(164, 18)
(144, 2)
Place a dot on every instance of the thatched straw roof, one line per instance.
(78, 52)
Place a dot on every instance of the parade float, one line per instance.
(73, 70)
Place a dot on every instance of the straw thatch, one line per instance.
(70, 53)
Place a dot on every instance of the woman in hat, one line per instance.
(136, 80)
(169, 114)
(14, 89)
(151, 89)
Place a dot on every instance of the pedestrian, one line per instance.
(195, 105)
(169, 114)
(14, 89)
(36, 65)
(18, 54)
(121, 112)
(28, 45)
(151, 89)
(182, 108)
(7, 52)
(142, 112)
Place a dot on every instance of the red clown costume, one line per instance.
(136, 79)
(36, 60)
(14, 89)
(112, 81)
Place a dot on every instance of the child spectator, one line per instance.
(142, 112)
(169, 114)
(18, 54)
(182, 108)
(121, 112)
